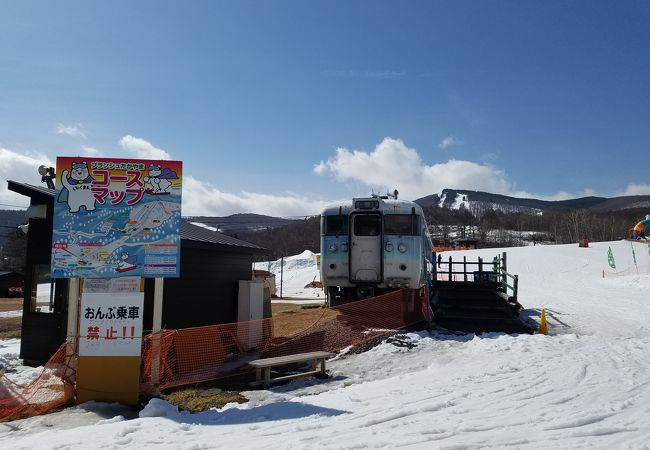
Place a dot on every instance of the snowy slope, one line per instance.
(295, 272)
(585, 385)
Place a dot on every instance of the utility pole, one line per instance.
(281, 273)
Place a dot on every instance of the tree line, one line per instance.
(492, 228)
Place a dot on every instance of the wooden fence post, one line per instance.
(465, 268)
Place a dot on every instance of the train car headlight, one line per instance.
(402, 248)
(389, 246)
(333, 248)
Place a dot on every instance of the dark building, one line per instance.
(10, 283)
(206, 292)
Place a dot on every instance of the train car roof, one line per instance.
(387, 205)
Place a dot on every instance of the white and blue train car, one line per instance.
(371, 246)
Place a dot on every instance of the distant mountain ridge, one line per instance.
(478, 200)
(9, 221)
(237, 223)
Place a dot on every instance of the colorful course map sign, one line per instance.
(116, 217)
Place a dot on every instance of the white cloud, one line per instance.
(447, 142)
(143, 149)
(636, 189)
(90, 151)
(21, 168)
(392, 165)
(71, 130)
(201, 198)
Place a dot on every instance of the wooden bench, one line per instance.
(263, 366)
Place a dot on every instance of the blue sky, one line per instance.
(278, 107)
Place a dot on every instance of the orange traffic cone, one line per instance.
(543, 326)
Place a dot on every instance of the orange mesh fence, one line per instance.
(53, 388)
(637, 270)
(449, 248)
(193, 355)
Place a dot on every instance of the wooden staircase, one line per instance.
(476, 307)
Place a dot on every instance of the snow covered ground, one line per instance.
(15, 313)
(295, 272)
(585, 385)
(10, 361)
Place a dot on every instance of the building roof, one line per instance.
(4, 274)
(200, 233)
(29, 190)
(191, 232)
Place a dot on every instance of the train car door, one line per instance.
(365, 248)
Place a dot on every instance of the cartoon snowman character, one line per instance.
(157, 181)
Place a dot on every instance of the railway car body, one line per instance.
(371, 246)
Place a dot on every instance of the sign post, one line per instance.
(116, 221)
(155, 333)
(72, 335)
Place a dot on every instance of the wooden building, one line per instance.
(9, 281)
(212, 264)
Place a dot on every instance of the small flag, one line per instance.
(610, 259)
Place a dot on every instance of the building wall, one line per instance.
(206, 293)
(42, 333)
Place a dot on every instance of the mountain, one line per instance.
(239, 223)
(12, 242)
(477, 202)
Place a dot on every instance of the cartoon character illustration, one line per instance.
(157, 182)
(76, 188)
(126, 262)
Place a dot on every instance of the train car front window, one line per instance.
(401, 224)
(336, 225)
(367, 225)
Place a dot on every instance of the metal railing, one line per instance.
(494, 271)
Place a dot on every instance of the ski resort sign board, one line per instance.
(116, 217)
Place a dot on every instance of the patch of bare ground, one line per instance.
(10, 304)
(289, 320)
(202, 398)
(10, 327)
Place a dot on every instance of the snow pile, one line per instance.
(12, 364)
(158, 408)
(585, 385)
